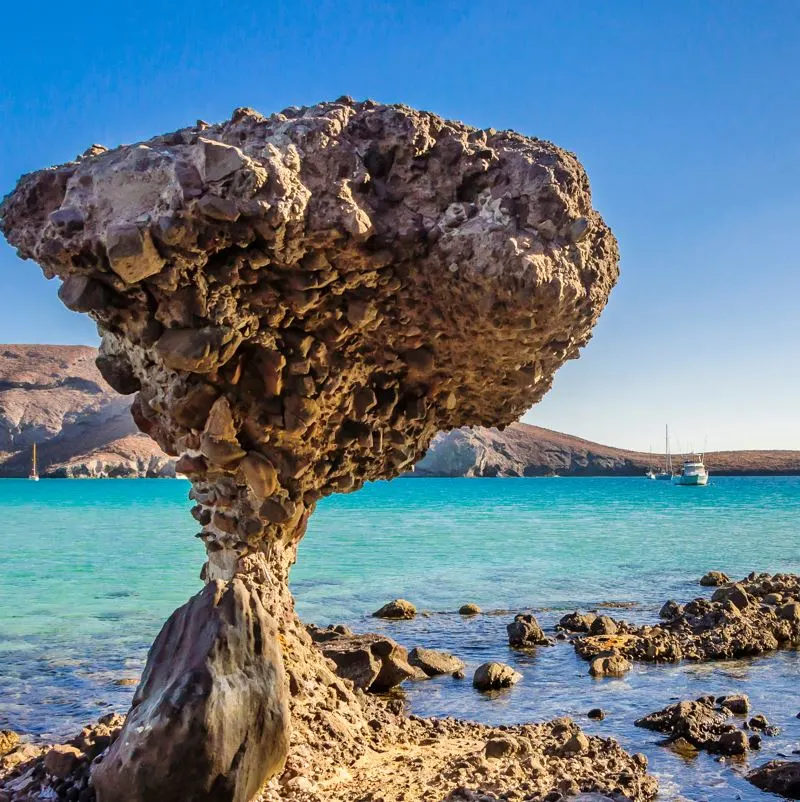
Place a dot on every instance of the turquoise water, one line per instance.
(92, 569)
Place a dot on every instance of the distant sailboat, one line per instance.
(34, 474)
(650, 473)
(666, 474)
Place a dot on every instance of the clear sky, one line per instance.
(685, 115)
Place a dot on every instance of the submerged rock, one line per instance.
(493, 676)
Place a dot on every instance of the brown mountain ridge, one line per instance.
(54, 396)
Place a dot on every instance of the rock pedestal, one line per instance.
(300, 302)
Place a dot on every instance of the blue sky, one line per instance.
(685, 115)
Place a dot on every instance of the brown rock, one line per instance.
(714, 579)
(469, 609)
(8, 741)
(780, 777)
(132, 254)
(60, 761)
(609, 665)
(524, 631)
(214, 676)
(434, 662)
(493, 676)
(397, 609)
(197, 350)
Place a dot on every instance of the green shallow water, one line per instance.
(92, 568)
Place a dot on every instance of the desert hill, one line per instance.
(54, 396)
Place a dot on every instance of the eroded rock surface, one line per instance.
(300, 302)
(759, 614)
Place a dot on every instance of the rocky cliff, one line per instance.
(54, 396)
(524, 450)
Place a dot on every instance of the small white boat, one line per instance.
(650, 473)
(693, 472)
(34, 474)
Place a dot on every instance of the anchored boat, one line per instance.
(693, 472)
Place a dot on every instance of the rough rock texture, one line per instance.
(757, 615)
(704, 724)
(300, 303)
(211, 698)
(434, 663)
(524, 632)
(398, 609)
(525, 450)
(493, 676)
(778, 777)
(371, 662)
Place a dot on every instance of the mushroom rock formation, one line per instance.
(301, 302)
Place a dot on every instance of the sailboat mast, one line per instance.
(667, 458)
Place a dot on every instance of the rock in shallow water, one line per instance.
(433, 662)
(399, 609)
(780, 777)
(524, 632)
(493, 676)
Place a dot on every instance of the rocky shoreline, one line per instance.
(406, 757)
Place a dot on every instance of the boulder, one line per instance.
(433, 662)
(214, 678)
(737, 703)
(61, 760)
(781, 777)
(611, 664)
(371, 662)
(493, 676)
(714, 579)
(524, 631)
(469, 609)
(577, 622)
(603, 625)
(398, 609)
(8, 740)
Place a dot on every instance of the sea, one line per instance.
(92, 568)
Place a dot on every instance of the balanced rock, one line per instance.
(433, 662)
(397, 609)
(493, 676)
(524, 631)
(313, 288)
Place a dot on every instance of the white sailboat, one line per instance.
(34, 474)
(666, 474)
